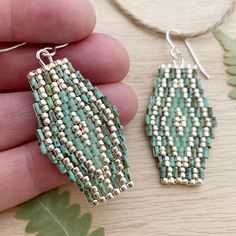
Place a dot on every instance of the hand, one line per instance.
(25, 172)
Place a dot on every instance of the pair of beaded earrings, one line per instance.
(80, 131)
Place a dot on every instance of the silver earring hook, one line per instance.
(174, 52)
(12, 48)
(48, 52)
(195, 58)
(177, 56)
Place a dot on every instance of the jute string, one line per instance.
(158, 30)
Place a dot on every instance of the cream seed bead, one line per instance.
(92, 169)
(88, 163)
(72, 149)
(48, 141)
(59, 115)
(96, 195)
(169, 174)
(79, 153)
(76, 128)
(59, 157)
(55, 97)
(72, 95)
(78, 99)
(69, 144)
(64, 67)
(52, 72)
(178, 164)
(44, 115)
(57, 109)
(70, 89)
(185, 164)
(48, 134)
(59, 122)
(175, 153)
(46, 129)
(57, 151)
(42, 82)
(98, 172)
(86, 179)
(73, 115)
(39, 77)
(41, 90)
(58, 102)
(50, 147)
(167, 163)
(123, 180)
(55, 77)
(130, 184)
(70, 166)
(87, 108)
(67, 72)
(46, 121)
(82, 159)
(42, 102)
(62, 127)
(116, 142)
(123, 187)
(79, 175)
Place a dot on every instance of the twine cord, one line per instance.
(157, 30)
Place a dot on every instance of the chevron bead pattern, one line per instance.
(180, 125)
(80, 131)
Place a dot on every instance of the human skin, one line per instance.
(25, 172)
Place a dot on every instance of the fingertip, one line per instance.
(43, 21)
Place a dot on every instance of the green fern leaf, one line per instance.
(232, 80)
(227, 43)
(230, 61)
(50, 214)
(97, 232)
(229, 46)
(232, 94)
(231, 70)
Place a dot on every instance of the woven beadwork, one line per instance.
(180, 125)
(80, 131)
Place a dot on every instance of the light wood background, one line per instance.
(151, 209)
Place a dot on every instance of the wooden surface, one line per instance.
(151, 209)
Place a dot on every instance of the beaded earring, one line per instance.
(179, 121)
(78, 128)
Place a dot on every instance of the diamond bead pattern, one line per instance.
(180, 125)
(80, 131)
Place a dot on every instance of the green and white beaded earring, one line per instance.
(179, 121)
(78, 128)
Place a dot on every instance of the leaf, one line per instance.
(232, 81)
(230, 61)
(231, 70)
(50, 214)
(98, 232)
(232, 94)
(227, 43)
(228, 54)
(229, 46)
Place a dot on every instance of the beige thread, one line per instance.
(157, 30)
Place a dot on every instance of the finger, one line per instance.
(25, 173)
(99, 57)
(43, 21)
(18, 121)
